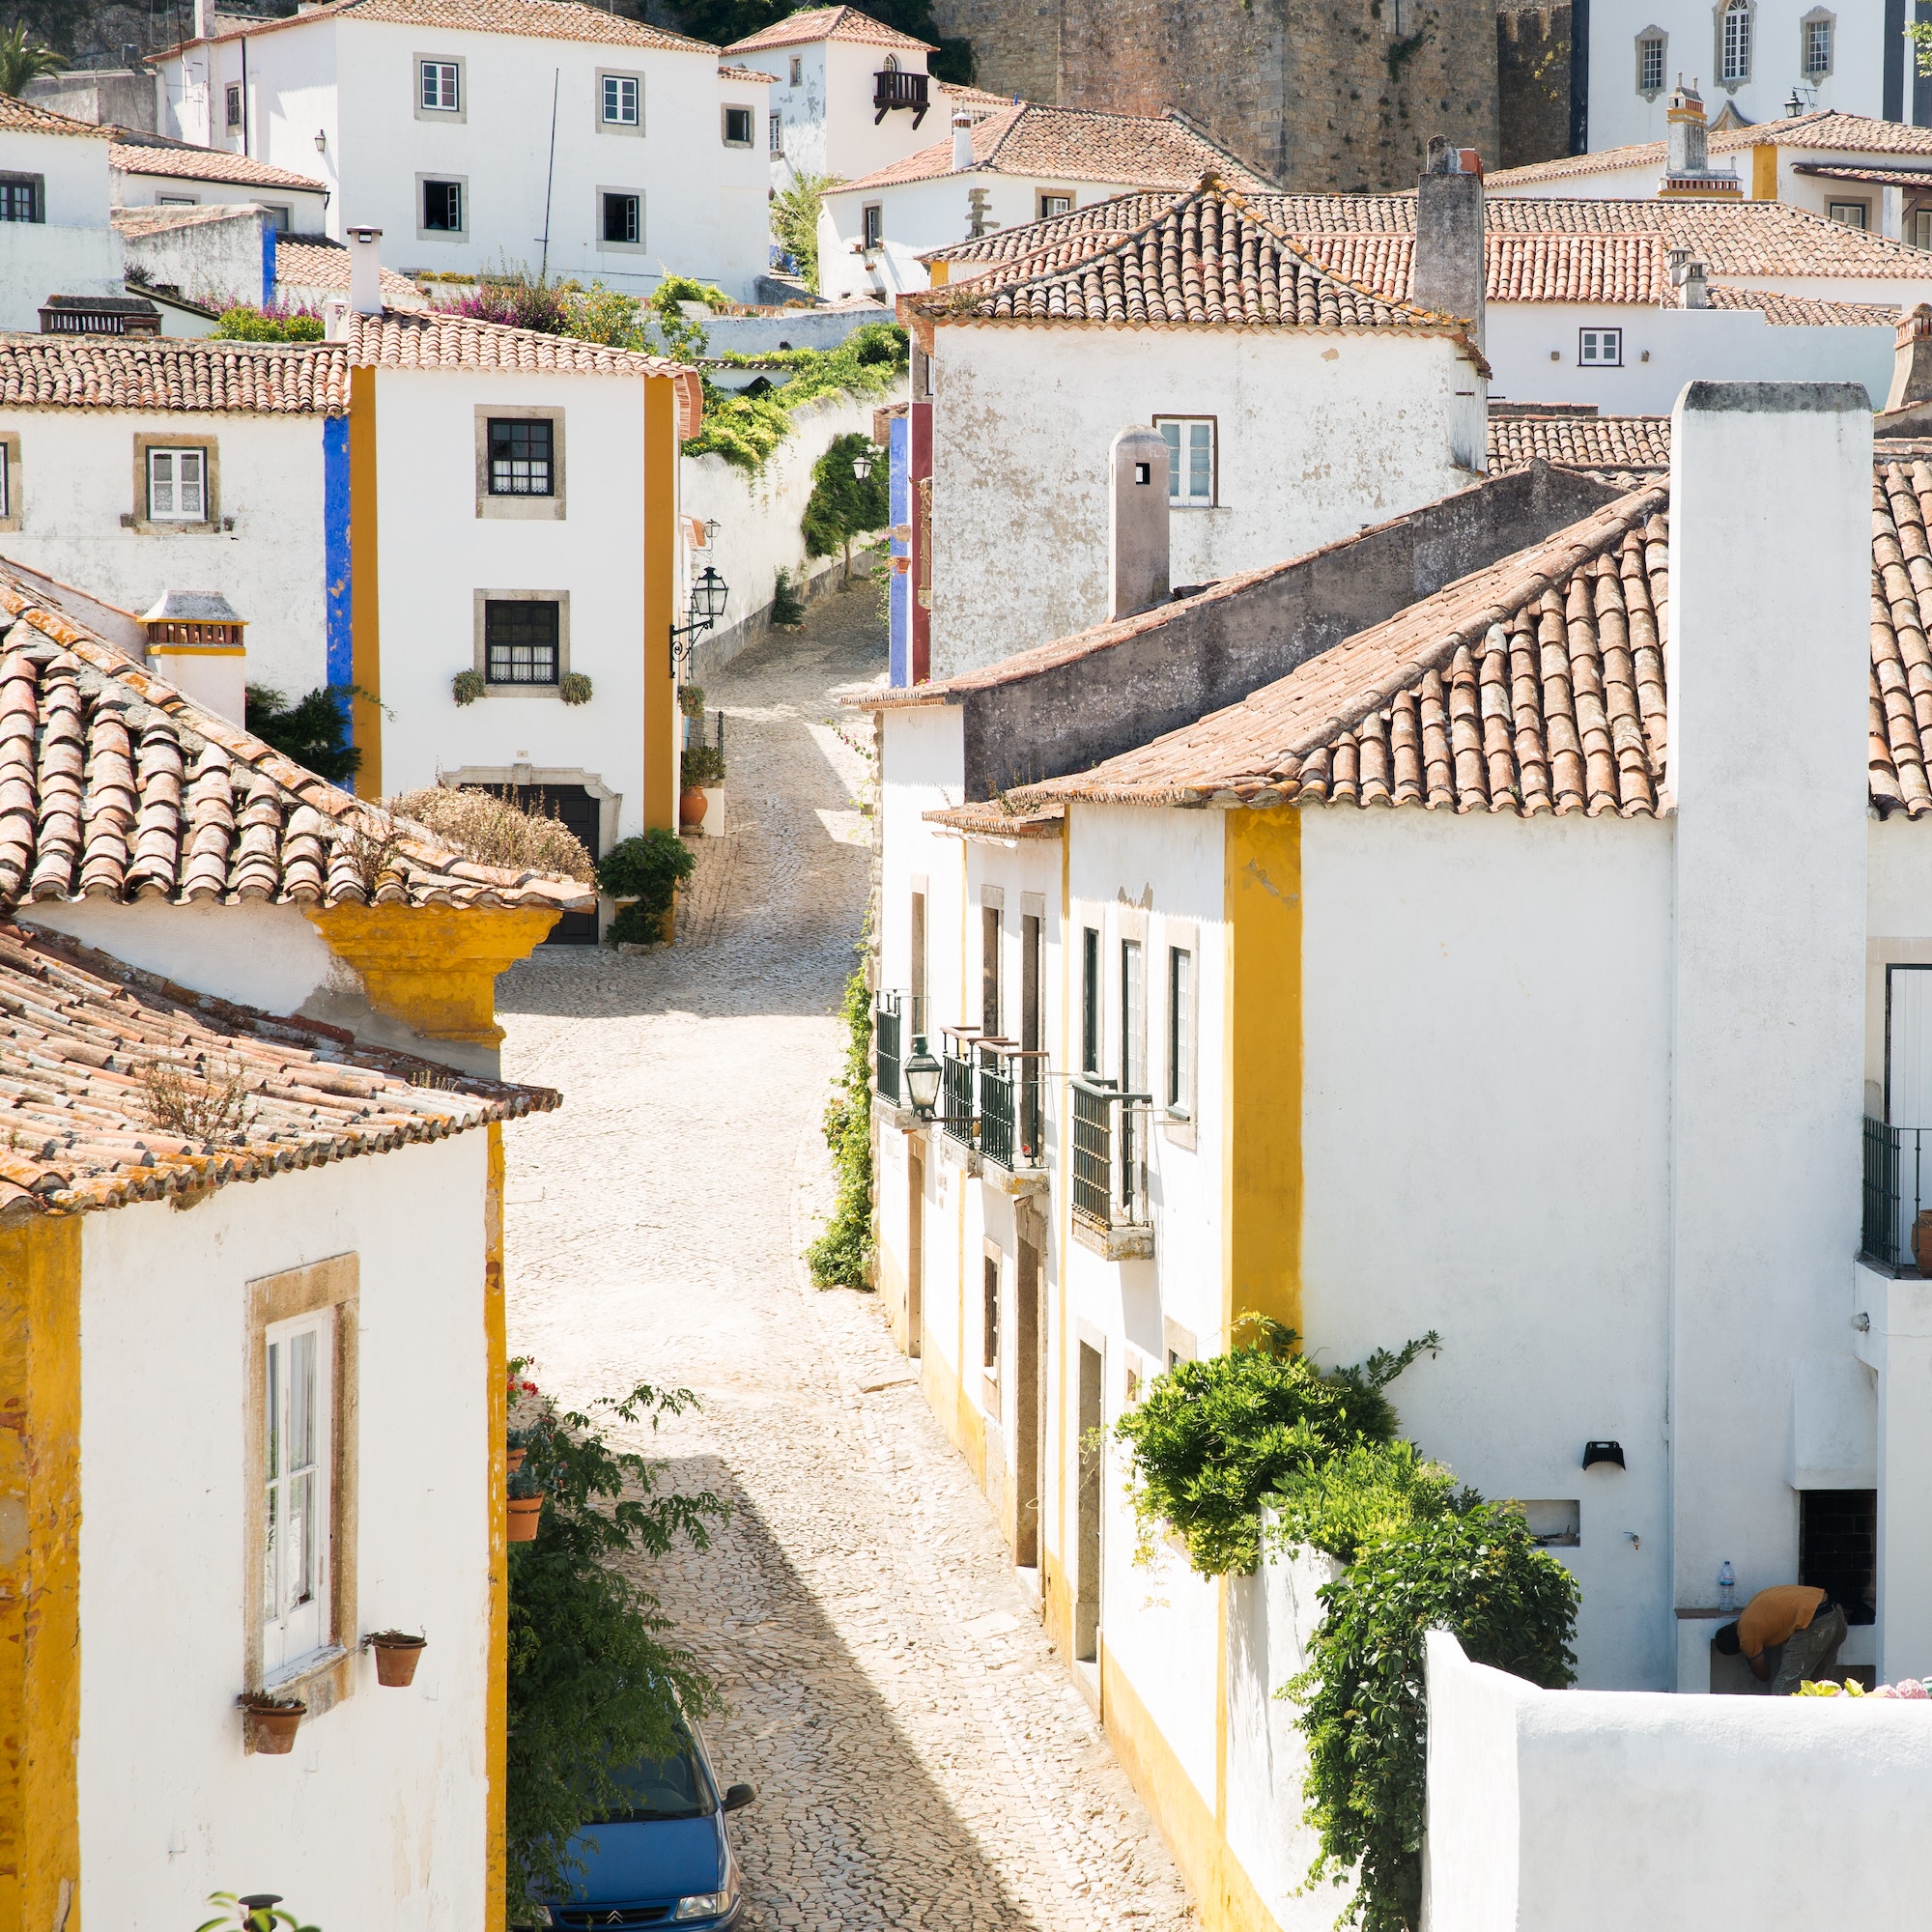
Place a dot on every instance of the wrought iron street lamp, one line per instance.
(921, 1074)
(862, 464)
(707, 605)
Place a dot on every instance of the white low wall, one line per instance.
(791, 328)
(1598, 1810)
(39, 259)
(220, 260)
(759, 517)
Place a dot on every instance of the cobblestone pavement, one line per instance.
(922, 1758)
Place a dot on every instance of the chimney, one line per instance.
(1687, 277)
(1450, 274)
(365, 271)
(204, 18)
(1912, 360)
(1689, 140)
(195, 641)
(1137, 527)
(962, 140)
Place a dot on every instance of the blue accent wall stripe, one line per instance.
(268, 263)
(335, 565)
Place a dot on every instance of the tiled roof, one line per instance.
(828, 23)
(1120, 215)
(1577, 441)
(173, 373)
(29, 117)
(1875, 177)
(1824, 129)
(314, 263)
(114, 785)
(1074, 144)
(1211, 258)
(972, 96)
(533, 20)
(753, 74)
(995, 818)
(89, 1048)
(1901, 688)
(1805, 311)
(207, 164)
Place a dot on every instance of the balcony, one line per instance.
(960, 1117)
(892, 89)
(1012, 1120)
(1111, 1214)
(1898, 1170)
(897, 1020)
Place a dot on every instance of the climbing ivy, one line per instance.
(843, 1256)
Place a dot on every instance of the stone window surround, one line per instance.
(605, 126)
(1851, 201)
(197, 439)
(442, 234)
(1720, 8)
(1818, 15)
(455, 116)
(562, 599)
(1661, 38)
(725, 112)
(609, 803)
(995, 1257)
(1040, 196)
(604, 247)
(10, 479)
(527, 509)
(334, 1284)
(1184, 936)
(19, 176)
(1213, 423)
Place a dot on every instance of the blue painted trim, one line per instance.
(900, 444)
(337, 625)
(268, 263)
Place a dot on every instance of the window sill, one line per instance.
(167, 527)
(322, 1682)
(491, 690)
(522, 509)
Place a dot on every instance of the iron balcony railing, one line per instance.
(893, 89)
(1012, 1116)
(1109, 1154)
(1895, 1189)
(897, 1020)
(960, 1117)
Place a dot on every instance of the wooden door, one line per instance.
(1028, 1381)
(580, 813)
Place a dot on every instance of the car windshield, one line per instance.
(669, 1787)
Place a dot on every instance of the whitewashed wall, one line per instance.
(43, 259)
(77, 481)
(1321, 433)
(307, 210)
(1598, 1810)
(73, 175)
(222, 259)
(377, 1815)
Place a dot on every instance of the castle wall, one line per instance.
(1533, 82)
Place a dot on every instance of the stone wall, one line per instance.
(1015, 44)
(1533, 82)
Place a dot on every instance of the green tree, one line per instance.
(842, 1257)
(795, 221)
(594, 1681)
(843, 504)
(22, 59)
(313, 731)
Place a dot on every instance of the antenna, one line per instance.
(543, 271)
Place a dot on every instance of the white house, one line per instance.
(1755, 57)
(151, 170)
(1297, 407)
(1000, 165)
(545, 134)
(55, 235)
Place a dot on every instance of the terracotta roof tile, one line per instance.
(82, 1036)
(28, 117)
(1823, 129)
(115, 784)
(752, 73)
(828, 23)
(1074, 144)
(207, 164)
(533, 19)
(312, 264)
(1805, 311)
(106, 372)
(1577, 441)
(996, 819)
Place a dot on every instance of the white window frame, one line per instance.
(1042, 212)
(751, 114)
(1180, 1032)
(1816, 23)
(461, 182)
(1600, 349)
(1918, 228)
(451, 76)
(872, 226)
(619, 80)
(1736, 23)
(295, 1628)
(1652, 37)
(1181, 447)
(797, 70)
(165, 467)
(776, 133)
(605, 248)
(1131, 952)
(10, 476)
(1836, 210)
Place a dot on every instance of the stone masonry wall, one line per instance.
(1015, 44)
(1533, 82)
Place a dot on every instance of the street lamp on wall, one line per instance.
(861, 463)
(708, 595)
(921, 1074)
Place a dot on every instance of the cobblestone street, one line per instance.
(921, 1756)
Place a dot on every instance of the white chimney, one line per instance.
(962, 140)
(204, 18)
(365, 271)
(1137, 527)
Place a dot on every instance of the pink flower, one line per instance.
(1910, 1687)
(1886, 1691)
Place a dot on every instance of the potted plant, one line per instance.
(397, 1654)
(646, 872)
(252, 1911)
(524, 1507)
(702, 766)
(273, 1720)
(516, 1448)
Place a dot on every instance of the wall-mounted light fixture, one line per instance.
(1603, 1452)
(320, 141)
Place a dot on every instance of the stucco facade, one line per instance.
(65, 246)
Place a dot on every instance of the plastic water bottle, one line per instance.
(1727, 1588)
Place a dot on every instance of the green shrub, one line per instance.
(795, 222)
(843, 1256)
(313, 731)
(843, 504)
(788, 605)
(701, 765)
(1212, 1440)
(245, 322)
(1473, 1571)
(1366, 1494)
(647, 869)
(744, 429)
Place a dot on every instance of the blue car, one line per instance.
(663, 1859)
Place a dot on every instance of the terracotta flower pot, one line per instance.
(691, 806)
(1921, 1241)
(524, 1514)
(513, 1460)
(274, 1725)
(396, 1656)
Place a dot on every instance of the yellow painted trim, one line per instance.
(434, 967)
(1262, 1047)
(196, 651)
(939, 274)
(1763, 172)
(365, 609)
(660, 720)
(40, 1573)
(1224, 1895)
(496, 1718)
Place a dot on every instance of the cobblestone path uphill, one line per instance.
(920, 1757)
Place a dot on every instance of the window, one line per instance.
(1919, 230)
(520, 642)
(22, 198)
(1190, 460)
(916, 949)
(10, 481)
(989, 970)
(295, 1465)
(1650, 63)
(1051, 205)
(1735, 54)
(774, 132)
(234, 103)
(738, 126)
(1816, 57)
(990, 1321)
(521, 458)
(443, 206)
(623, 219)
(174, 201)
(1180, 1030)
(797, 72)
(441, 87)
(1133, 1018)
(1089, 1000)
(1030, 956)
(873, 225)
(1599, 348)
(622, 99)
(1852, 214)
(280, 213)
(178, 486)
